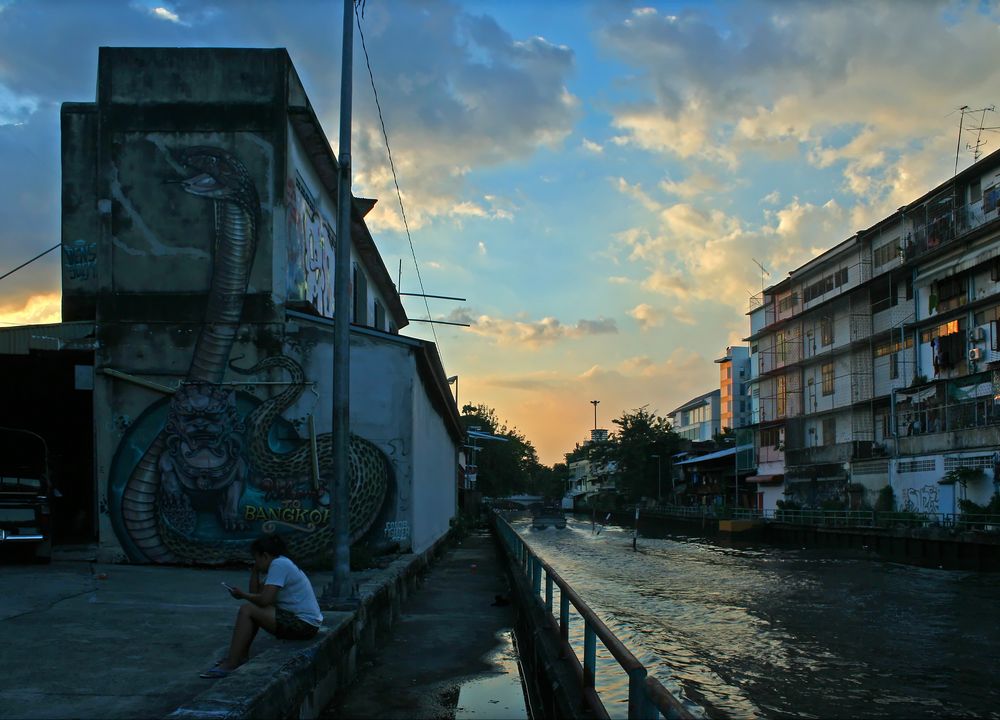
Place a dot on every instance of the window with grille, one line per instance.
(827, 372)
(826, 330)
(829, 430)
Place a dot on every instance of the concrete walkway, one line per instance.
(82, 640)
(450, 654)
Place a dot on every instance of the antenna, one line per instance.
(979, 132)
(763, 271)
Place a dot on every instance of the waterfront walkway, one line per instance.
(450, 652)
(86, 640)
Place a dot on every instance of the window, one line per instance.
(360, 296)
(826, 330)
(975, 190)
(995, 270)
(779, 346)
(780, 398)
(379, 315)
(771, 437)
(892, 346)
(894, 366)
(729, 371)
(886, 253)
(829, 430)
(827, 371)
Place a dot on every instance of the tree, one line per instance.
(504, 468)
(641, 435)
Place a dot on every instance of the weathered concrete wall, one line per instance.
(435, 467)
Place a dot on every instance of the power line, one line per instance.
(392, 167)
(11, 272)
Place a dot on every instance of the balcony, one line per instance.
(837, 453)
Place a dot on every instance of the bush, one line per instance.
(886, 499)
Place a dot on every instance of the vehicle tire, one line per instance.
(43, 553)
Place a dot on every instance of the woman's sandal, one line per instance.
(214, 673)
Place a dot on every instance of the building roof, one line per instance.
(695, 402)
(718, 454)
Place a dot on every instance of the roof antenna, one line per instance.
(976, 154)
(763, 271)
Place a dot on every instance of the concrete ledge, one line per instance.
(299, 679)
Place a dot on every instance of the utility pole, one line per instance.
(341, 591)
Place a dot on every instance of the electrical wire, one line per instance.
(392, 167)
(24, 264)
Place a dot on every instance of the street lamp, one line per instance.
(595, 404)
(659, 487)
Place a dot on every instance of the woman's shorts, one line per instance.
(289, 626)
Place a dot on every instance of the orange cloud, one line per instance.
(36, 310)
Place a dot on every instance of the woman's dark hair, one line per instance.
(272, 544)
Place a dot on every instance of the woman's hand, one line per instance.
(237, 593)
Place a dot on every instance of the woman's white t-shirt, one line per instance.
(296, 594)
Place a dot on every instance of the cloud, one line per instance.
(647, 316)
(698, 183)
(164, 14)
(36, 310)
(531, 334)
(591, 146)
(841, 80)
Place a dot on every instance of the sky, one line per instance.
(598, 179)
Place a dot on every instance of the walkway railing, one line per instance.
(985, 522)
(647, 697)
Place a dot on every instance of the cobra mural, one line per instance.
(211, 474)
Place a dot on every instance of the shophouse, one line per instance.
(873, 364)
(199, 203)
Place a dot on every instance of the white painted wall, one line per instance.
(433, 463)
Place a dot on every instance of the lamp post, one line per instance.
(595, 403)
(659, 486)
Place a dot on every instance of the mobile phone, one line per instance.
(227, 586)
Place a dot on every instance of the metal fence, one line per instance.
(985, 522)
(647, 697)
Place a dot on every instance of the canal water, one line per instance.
(753, 631)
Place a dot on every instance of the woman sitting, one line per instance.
(283, 603)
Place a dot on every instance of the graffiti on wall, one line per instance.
(920, 500)
(199, 474)
(80, 259)
(310, 250)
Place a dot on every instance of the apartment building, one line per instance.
(878, 361)
(734, 377)
(699, 418)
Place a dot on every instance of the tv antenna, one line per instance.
(966, 110)
(763, 271)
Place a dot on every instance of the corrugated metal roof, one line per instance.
(22, 339)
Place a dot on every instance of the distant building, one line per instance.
(734, 387)
(699, 418)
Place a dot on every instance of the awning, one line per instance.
(767, 479)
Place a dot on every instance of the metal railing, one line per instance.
(987, 522)
(647, 697)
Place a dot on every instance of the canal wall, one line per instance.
(301, 683)
(945, 548)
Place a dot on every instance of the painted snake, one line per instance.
(219, 176)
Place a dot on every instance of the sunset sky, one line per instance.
(596, 178)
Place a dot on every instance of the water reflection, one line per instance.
(751, 631)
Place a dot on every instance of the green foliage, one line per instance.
(886, 500)
(641, 434)
(963, 476)
(788, 505)
(505, 468)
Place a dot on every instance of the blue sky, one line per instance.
(596, 178)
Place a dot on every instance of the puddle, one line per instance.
(497, 696)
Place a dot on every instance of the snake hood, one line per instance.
(218, 175)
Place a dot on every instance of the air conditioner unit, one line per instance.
(975, 354)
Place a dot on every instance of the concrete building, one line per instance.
(199, 197)
(876, 363)
(734, 387)
(699, 418)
